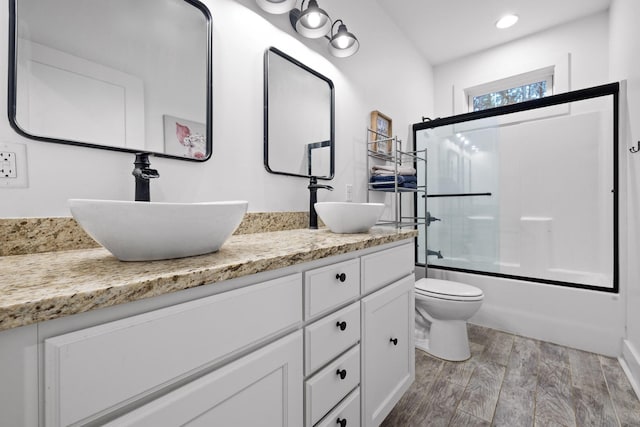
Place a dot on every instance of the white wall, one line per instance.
(585, 39)
(625, 64)
(400, 86)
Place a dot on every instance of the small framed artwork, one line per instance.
(382, 126)
(184, 138)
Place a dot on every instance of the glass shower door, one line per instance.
(526, 191)
(462, 216)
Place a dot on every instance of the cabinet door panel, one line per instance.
(93, 371)
(263, 388)
(388, 353)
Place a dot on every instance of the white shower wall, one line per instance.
(556, 204)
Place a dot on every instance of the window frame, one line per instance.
(542, 74)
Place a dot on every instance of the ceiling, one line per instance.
(448, 29)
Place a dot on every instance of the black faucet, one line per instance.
(143, 174)
(313, 198)
(436, 253)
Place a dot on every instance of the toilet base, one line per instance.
(422, 344)
(447, 340)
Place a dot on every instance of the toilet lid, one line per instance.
(448, 288)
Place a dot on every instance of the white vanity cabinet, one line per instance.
(323, 343)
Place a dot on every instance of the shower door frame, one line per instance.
(610, 89)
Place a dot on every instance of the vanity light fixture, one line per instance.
(311, 22)
(342, 43)
(315, 23)
(507, 21)
(276, 6)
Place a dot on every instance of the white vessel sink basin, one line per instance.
(347, 217)
(146, 231)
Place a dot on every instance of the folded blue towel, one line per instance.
(387, 178)
(388, 181)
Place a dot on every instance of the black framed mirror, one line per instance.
(123, 75)
(298, 118)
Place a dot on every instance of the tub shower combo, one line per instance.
(527, 191)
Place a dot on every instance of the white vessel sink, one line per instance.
(347, 217)
(146, 231)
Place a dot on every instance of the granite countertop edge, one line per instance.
(47, 286)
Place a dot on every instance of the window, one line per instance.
(523, 87)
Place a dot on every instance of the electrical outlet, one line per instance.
(349, 191)
(13, 165)
(8, 164)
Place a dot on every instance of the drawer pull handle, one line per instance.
(342, 373)
(342, 422)
(342, 325)
(394, 341)
(341, 277)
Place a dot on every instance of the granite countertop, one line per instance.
(44, 286)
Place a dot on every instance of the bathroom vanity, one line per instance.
(295, 328)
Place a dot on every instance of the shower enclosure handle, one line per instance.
(457, 195)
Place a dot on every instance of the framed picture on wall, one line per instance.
(184, 138)
(382, 126)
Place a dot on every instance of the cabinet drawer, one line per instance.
(384, 267)
(326, 388)
(330, 336)
(123, 360)
(328, 287)
(348, 410)
(263, 388)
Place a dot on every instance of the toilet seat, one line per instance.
(448, 290)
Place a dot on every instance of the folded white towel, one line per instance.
(382, 170)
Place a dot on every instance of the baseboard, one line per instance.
(555, 330)
(630, 362)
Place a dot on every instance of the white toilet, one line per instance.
(442, 310)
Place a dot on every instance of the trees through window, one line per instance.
(510, 96)
(511, 90)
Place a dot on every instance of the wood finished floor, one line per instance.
(512, 381)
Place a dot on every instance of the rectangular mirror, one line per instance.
(126, 75)
(298, 118)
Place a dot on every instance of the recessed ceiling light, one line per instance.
(507, 21)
